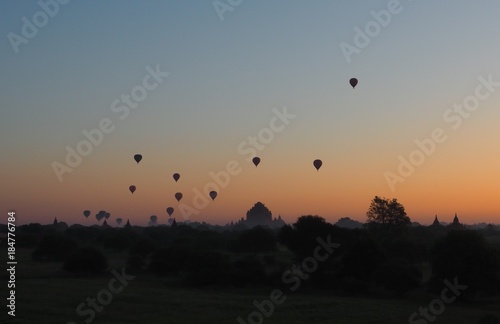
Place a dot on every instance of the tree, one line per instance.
(87, 260)
(387, 211)
(257, 239)
(467, 256)
(54, 247)
(301, 238)
(397, 276)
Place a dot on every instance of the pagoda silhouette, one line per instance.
(260, 215)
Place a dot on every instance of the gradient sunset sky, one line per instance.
(225, 78)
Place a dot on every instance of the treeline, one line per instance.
(378, 260)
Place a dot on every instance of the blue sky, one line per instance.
(225, 77)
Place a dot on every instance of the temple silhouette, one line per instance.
(260, 215)
(454, 225)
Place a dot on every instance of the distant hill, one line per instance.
(480, 226)
(346, 222)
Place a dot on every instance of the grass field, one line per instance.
(45, 294)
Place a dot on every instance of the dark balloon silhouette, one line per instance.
(178, 196)
(153, 218)
(119, 221)
(100, 215)
(138, 158)
(176, 177)
(353, 82)
(86, 213)
(131, 188)
(317, 164)
(256, 161)
(107, 215)
(170, 211)
(213, 194)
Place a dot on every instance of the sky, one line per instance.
(201, 87)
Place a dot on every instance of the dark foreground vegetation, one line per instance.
(309, 260)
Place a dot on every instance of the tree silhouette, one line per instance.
(397, 276)
(54, 247)
(257, 239)
(467, 256)
(301, 238)
(387, 211)
(88, 260)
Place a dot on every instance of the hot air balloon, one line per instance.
(107, 215)
(353, 82)
(170, 211)
(176, 176)
(138, 158)
(256, 161)
(213, 194)
(131, 188)
(153, 218)
(100, 215)
(178, 196)
(317, 164)
(86, 213)
(118, 221)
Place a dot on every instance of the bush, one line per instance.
(54, 247)
(142, 245)
(86, 260)
(301, 238)
(170, 260)
(255, 240)
(465, 255)
(248, 270)
(361, 257)
(27, 240)
(116, 241)
(353, 286)
(398, 276)
(82, 233)
(206, 268)
(135, 262)
(489, 319)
